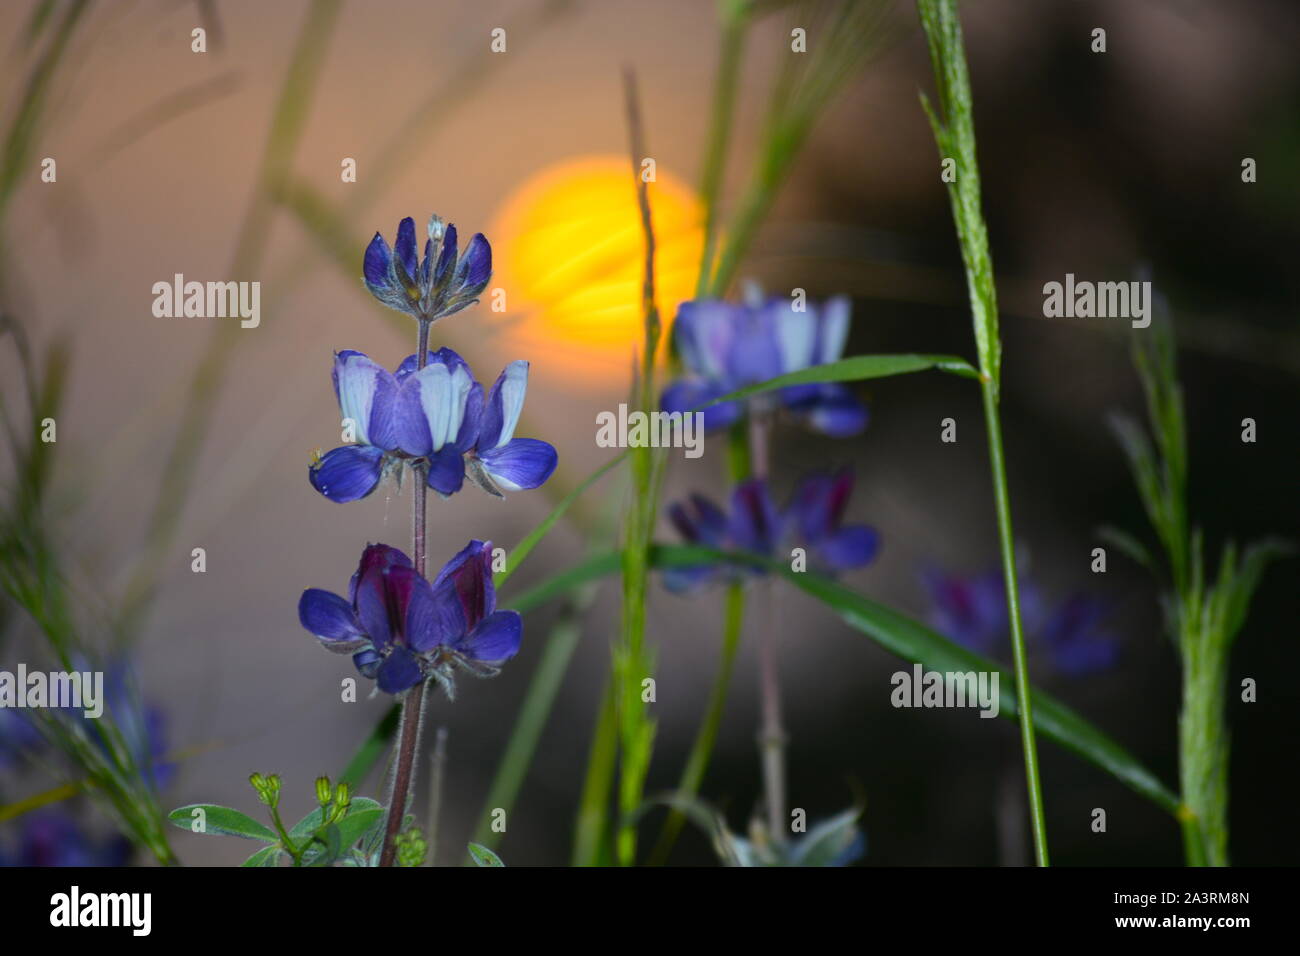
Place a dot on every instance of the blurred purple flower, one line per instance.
(401, 629)
(52, 838)
(726, 346)
(19, 738)
(1075, 637)
(817, 513)
(438, 414)
(813, 519)
(972, 610)
(440, 285)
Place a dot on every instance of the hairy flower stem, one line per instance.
(408, 740)
(771, 734)
(1203, 750)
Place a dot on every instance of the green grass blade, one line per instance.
(525, 547)
(855, 369)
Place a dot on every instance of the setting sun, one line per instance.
(569, 252)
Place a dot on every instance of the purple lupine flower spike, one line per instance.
(441, 284)
(400, 629)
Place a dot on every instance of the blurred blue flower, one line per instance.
(813, 519)
(972, 610)
(816, 512)
(441, 284)
(52, 838)
(725, 346)
(401, 629)
(19, 738)
(438, 414)
(1075, 637)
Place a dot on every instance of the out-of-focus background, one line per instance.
(1095, 164)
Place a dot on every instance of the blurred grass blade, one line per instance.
(525, 547)
(545, 685)
(371, 749)
(591, 830)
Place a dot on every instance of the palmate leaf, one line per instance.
(902, 636)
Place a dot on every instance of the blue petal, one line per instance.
(833, 330)
(446, 471)
(404, 247)
(688, 580)
(367, 394)
(495, 639)
(442, 391)
(521, 463)
(755, 522)
(373, 608)
(399, 671)
(703, 332)
(754, 355)
(850, 547)
(433, 617)
(504, 403)
(469, 575)
(700, 521)
(367, 662)
(447, 256)
(796, 335)
(475, 266)
(836, 412)
(375, 266)
(347, 473)
(328, 616)
(686, 395)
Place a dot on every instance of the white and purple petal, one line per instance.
(520, 464)
(503, 405)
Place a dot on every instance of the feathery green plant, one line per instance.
(1203, 614)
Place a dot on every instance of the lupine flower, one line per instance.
(439, 285)
(973, 612)
(437, 414)
(1075, 639)
(813, 519)
(817, 513)
(52, 838)
(726, 346)
(401, 629)
(753, 525)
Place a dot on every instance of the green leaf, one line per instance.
(534, 537)
(827, 840)
(855, 369)
(267, 856)
(221, 820)
(482, 856)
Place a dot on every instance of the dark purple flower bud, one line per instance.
(440, 285)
